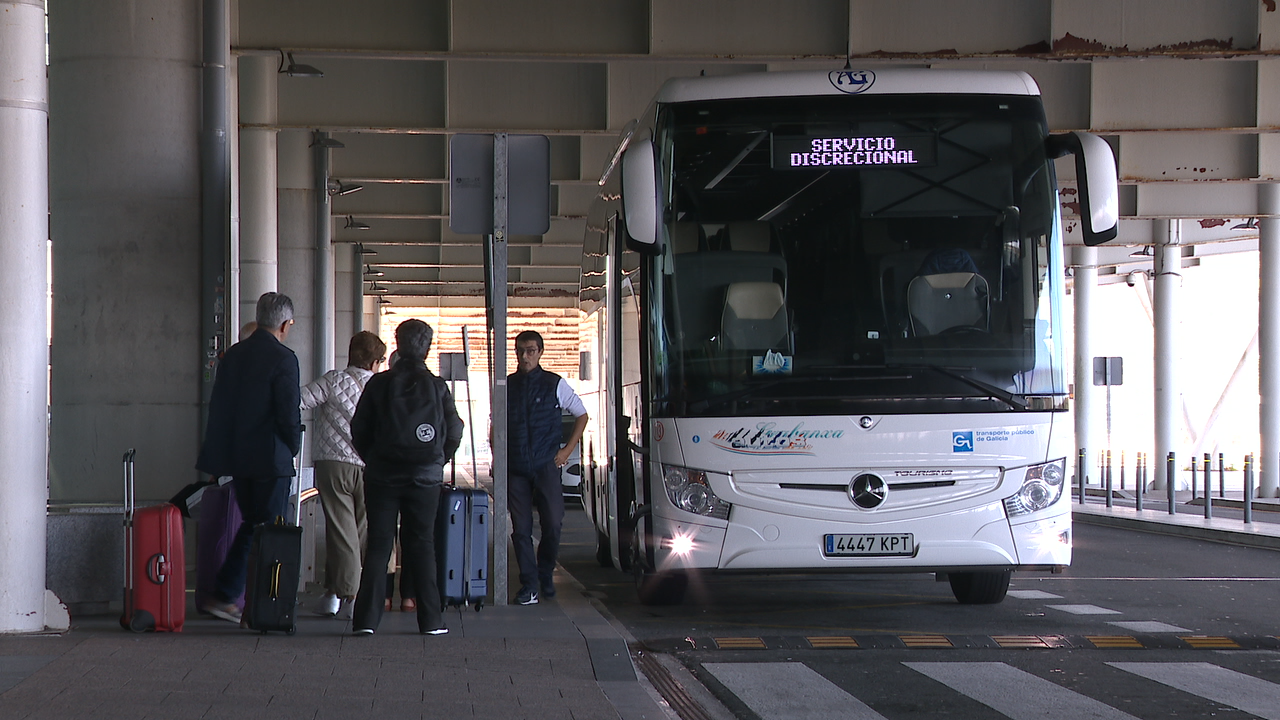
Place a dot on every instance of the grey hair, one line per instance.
(413, 338)
(274, 310)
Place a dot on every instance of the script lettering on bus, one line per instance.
(766, 438)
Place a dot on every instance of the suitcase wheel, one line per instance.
(142, 621)
(291, 631)
(479, 605)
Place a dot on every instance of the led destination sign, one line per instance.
(857, 151)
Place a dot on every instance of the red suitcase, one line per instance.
(155, 584)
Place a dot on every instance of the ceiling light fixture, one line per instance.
(369, 272)
(297, 69)
(353, 224)
(337, 187)
(1145, 251)
(1250, 224)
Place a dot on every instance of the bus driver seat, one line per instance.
(755, 317)
(936, 303)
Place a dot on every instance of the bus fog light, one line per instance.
(689, 491)
(680, 544)
(1041, 487)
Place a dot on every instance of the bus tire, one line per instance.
(659, 588)
(980, 588)
(603, 554)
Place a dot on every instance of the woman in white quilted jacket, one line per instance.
(339, 470)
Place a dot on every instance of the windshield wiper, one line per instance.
(992, 391)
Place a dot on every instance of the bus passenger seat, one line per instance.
(750, 236)
(686, 237)
(755, 317)
(947, 300)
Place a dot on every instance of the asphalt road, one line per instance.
(1140, 625)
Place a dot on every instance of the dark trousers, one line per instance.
(416, 507)
(261, 500)
(525, 491)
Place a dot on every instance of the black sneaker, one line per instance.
(548, 589)
(527, 596)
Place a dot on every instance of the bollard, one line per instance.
(1170, 473)
(1193, 478)
(1121, 469)
(1222, 476)
(1139, 479)
(1248, 488)
(1107, 490)
(1080, 476)
(1208, 494)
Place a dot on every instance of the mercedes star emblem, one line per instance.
(868, 491)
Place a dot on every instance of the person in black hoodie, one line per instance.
(405, 428)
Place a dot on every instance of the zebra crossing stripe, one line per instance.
(1014, 693)
(1228, 687)
(789, 691)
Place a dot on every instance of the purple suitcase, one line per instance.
(219, 521)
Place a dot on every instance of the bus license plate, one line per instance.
(839, 545)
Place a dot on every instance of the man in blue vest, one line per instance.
(535, 400)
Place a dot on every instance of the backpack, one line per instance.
(414, 426)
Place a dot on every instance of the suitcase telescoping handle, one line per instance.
(297, 472)
(127, 462)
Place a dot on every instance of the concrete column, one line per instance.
(357, 289)
(24, 357)
(1084, 282)
(346, 316)
(1269, 338)
(124, 179)
(259, 216)
(296, 230)
(1168, 285)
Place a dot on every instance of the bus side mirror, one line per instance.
(640, 197)
(1096, 177)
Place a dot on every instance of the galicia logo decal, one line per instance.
(767, 439)
(852, 81)
(962, 441)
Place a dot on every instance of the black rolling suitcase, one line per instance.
(462, 547)
(275, 569)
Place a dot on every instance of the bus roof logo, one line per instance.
(852, 82)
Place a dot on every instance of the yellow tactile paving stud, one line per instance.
(829, 641)
(739, 643)
(1019, 641)
(925, 641)
(1113, 641)
(1209, 642)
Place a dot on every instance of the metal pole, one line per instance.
(1171, 474)
(1140, 480)
(1222, 476)
(1108, 489)
(1208, 494)
(24, 354)
(498, 242)
(322, 341)
(1248, 488)
(1268, 336)
(357, 289)
(1122, 470)
(1194, 480)
(1080, 473)
(215, 198)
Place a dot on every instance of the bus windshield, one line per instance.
(849, 254)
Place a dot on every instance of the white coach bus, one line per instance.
(823, 329)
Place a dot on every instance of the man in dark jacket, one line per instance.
(405, 428)
(535, 399)
(254, 430)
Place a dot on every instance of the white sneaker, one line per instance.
(345, 608)
(328, 605)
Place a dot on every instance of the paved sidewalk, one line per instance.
(558, 659)
(1189, 521)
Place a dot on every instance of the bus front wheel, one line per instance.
(980, 588)
(659, 588)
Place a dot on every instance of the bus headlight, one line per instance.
(689, 490)
(1041, 487)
